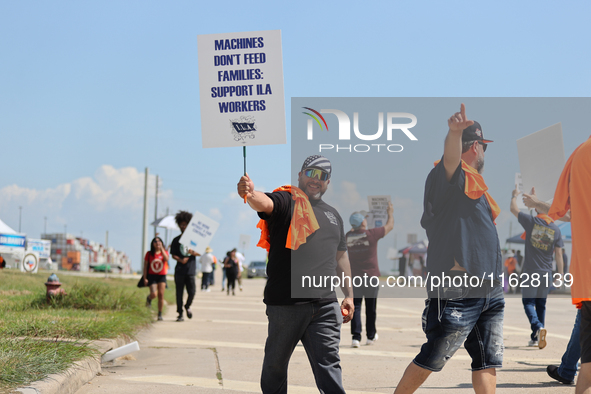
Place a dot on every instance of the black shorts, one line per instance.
(585, 337)
(153, 279)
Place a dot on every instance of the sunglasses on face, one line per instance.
(316, 173)
(484, 146)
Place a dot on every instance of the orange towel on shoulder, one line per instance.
(303, 221)
(572, 192)
(474, 187)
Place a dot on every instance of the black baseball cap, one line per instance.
(474, 133)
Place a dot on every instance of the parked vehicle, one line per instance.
(257, 269)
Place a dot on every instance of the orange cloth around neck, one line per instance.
(303, 221)
(545, 217)
(474, 187)
(572, 192)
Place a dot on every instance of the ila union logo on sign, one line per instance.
(243, 128)
(344, 130)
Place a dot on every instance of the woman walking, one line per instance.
(231, 265)
(155, 269)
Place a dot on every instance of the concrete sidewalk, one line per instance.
(221, 348)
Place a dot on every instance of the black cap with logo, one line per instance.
(474, 133)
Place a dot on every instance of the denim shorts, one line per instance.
(455, 318)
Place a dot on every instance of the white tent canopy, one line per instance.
(166, 222)
(5, 229)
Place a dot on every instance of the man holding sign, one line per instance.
(184, 272)
(313, 240)
(363, 251)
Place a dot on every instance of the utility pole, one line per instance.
(166, 236)
(20, 211)
(144, 225)
(156, 205)
(45, 227)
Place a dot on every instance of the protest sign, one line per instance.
(541, 160)
(378, 208)
(244, 241)
(241, 89)
(199, 233)
(519, 186)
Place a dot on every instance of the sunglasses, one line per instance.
(484, 146)
(316, 173)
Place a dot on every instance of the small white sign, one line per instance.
(519, 186)
(199, 233)
(241, 89)
(41, 246)
(30, 262)
(541, 160)
(378, 208)
(244, 241)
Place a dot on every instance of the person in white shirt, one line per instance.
(241, 259)
(206, 261)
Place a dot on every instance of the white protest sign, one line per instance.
(244, 241)
(199, 233)
(378, 207)
(241, 89)
(541, 160)
(519, 186)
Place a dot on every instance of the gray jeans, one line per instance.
(318, 326)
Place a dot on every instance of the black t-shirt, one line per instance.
(459, 227)
(317, 257)
(182, 269)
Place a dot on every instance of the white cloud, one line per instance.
(53, 198)
(109, 200)
(215, 214)
(109, 188)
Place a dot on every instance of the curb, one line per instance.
(81, 372)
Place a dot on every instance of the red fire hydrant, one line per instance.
(53, 286)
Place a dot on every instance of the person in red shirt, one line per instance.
(155, 269)
(362, 245)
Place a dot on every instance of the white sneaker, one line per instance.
(372, 341)
(355, 343)
(532, 343)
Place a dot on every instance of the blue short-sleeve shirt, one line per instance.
(541, 239)
(458, 227)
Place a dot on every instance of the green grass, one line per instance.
(28, 360)
(94, 308)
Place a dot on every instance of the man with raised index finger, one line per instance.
(304, 236)
(459, 217)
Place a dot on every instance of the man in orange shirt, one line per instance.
(572, 192)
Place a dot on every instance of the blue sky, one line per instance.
(91, 93)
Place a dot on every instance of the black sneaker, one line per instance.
(189, 313)
(160, 316)
(180, 318)
(148, 301)
(552, 371)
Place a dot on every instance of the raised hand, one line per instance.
(459, 121)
